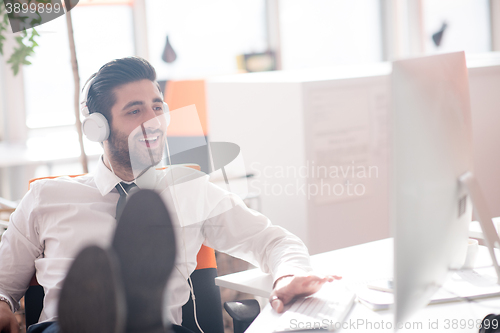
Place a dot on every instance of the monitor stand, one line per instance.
(485, 219)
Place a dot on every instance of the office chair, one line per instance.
(208, 299)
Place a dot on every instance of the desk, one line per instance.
(475, 230)
(367, 262)
(18, 163)
(18, 154)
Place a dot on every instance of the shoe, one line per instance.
(144, 243)
(92, 298)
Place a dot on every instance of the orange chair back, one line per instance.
(179, 94)
(51, 177)
(206, 258)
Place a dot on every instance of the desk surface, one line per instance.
(475, 230)
(351, 263)
(18, 154)
(367, 262)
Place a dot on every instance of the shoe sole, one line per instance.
(91, 298)
(144, 243)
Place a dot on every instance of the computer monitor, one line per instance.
(432, 149)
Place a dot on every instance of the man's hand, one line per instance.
(8, 321)
(289, 287)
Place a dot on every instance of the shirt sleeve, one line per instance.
(19, 247)
(247, 234)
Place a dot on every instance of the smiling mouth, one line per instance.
(150, 140)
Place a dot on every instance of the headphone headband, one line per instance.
(83, 102)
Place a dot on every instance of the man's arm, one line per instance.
(18, 250)
(8, 321)
(249, 235)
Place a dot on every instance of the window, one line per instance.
(102, 33)
(468, 25)
(318, 33)
(206, 35)
(48, 81)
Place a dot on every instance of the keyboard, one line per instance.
(324, 311)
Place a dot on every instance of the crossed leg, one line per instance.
(120, 289)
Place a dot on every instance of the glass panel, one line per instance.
(317, 33)
(49, 80)
(468, 25)
(206, 35)
(102, 33)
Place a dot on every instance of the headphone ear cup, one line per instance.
(96, 127)
(166, 110)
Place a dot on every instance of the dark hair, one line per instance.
(113, 74)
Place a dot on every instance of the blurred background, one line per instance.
(314, 59)
(212, 38)
(321, 62)
(203, 51)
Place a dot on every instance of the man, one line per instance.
(58, 218)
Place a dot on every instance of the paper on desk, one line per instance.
(478, 283)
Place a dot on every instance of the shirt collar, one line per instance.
(106, 180)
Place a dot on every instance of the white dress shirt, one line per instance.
(57, 218)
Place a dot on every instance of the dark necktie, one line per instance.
(123, 197)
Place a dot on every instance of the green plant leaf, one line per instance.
(25, 41)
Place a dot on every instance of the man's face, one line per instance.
(138, 127)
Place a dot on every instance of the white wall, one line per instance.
(264, 119)
(484, 85)
(274, 119)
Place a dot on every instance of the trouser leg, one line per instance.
(47, 327)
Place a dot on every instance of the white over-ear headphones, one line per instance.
(95, 126)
